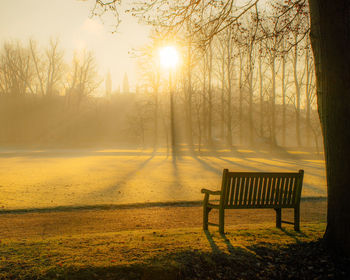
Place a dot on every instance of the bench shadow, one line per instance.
(234, 250)
(212, 244)
(294, 234)
(230, 247)
(258, 261)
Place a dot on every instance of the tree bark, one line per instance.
(330, 38)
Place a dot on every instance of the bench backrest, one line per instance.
(261, 189)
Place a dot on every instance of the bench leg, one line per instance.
(205, 211)
(278, 217)
(297, 218)
(222, 220)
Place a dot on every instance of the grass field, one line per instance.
(53, 178)
(107, 240)
(254, 252)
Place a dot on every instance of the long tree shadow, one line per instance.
(239, 164)
(178, 187)
(292, 169)
(122, 181)
(207, 166)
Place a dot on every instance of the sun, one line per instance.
(169, 56)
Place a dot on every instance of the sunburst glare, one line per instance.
(169, 56)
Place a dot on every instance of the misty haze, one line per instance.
(115, 116)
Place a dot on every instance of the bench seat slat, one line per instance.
(268, 191)
(271, 206)
(243, 183)
(264, 188)
(252, 199)
(232, 189)
(277, 191)
(283, 191)
(262, 174)
(267, 205)
(251, 191)
(238, 186)
(216, 206)
(258, 198)
(285, 200)
(246, 190)
(292, 191)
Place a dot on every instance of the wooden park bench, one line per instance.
(252, 190)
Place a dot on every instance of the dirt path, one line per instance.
(57, 223)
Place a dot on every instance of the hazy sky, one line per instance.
(69, 21)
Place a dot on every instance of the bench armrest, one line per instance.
(211, 192)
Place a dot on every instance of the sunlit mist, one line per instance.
(169, 56)
(124, 123)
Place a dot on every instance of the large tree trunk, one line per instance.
(330, 38)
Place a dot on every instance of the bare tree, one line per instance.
(54, 67)
(83, 79)
(17, 72)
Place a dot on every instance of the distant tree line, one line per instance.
(47, 101)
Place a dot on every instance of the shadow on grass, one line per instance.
(304, 260)
(111, 190)
(294, 234)
(115, 272)
(297, 261)
(300, 260)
